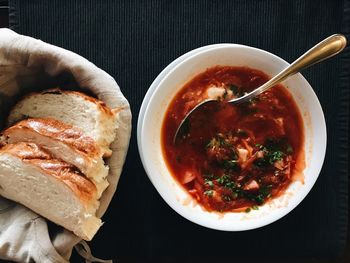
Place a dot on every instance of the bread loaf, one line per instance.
(50, 187)
(63, 142)
(92, 116)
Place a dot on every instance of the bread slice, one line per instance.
(52, 188)
(92, 116)
(63, 142)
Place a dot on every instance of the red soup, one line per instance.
(234, 157)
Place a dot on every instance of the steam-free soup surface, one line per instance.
(234, 157)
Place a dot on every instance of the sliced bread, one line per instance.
(63, 142)
(92, 116)
(49, 187)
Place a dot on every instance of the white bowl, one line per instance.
(152, 114)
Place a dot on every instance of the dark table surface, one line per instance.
(75, 258)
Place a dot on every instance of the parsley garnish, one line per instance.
(275, 156)
(208, 182)
(227, 198)
(223, 180)
(228, 183)
(255, 207)
(217, 142)
(260, 197)
(209, 193)
(234, 89)
(272, 153)
(231, 164)
(264, 193)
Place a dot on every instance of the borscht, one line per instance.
(234, 157)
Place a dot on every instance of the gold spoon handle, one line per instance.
(323, 50)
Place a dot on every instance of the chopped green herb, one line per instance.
(255, 207)
(265, 190)
(208, 182)
(208, 176)
(247, 210)
(227, 182)
(223, 179)
(209, 193)
(272, 153)
(227, 198)
(275, 156)
(217, 142)
(234, 89)
(264, 193)
(260, 197)
(212, 143)
(230, 185)
(231, 164)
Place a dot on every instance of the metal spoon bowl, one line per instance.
(322, 51)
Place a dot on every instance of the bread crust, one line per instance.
(60, 131)
(30, 153)
(100, 104)
(101, 127)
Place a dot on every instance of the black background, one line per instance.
(133, 41)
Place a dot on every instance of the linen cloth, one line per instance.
(26, 65)
(134, 40)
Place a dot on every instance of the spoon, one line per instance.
(323, 50)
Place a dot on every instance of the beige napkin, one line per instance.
(28, 64)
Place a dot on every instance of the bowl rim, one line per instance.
(159, 78)
(180, 209)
